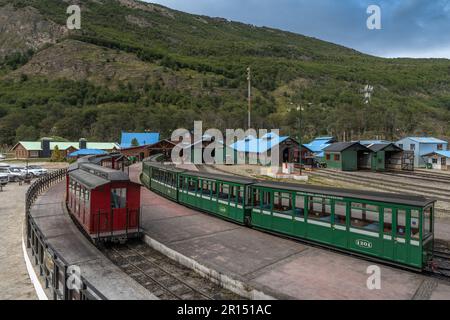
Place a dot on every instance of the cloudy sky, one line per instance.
(410, 28)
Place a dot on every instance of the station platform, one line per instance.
(273, 266)
(61, 234)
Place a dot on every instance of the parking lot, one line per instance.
(14, 280)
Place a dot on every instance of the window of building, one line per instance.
(34, 154)
(118, 198)
(401, 145)
(401, 223)
(319, 209)
(365, 216)
(434, 161)
(440, 147)
(337, 157)
(412, 146)
(299, 206)
(328, 156)
(340, 213)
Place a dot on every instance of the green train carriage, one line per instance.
(162, 179)
(221, 195)
(390, 227)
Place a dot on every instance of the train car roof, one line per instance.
(165, 166)
(413, 200)
(222, 177)
(104, 172)
(87, 179)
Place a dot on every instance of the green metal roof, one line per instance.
(36, 145)
(102, 145)
(31, 145)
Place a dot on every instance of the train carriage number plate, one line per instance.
(364, 244)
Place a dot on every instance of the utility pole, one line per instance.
(299, 110)
(249, 79)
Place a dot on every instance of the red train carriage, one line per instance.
(104, 202)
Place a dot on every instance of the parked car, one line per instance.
(2, 157)
(15, 174)
(4, 176)
(36, 171)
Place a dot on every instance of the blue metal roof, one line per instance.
(143, 138)
(426, 140)
(445, 154)
(254, 145)
(319, 144)
(87, 152)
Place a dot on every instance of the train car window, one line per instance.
(387, 228)
(224, 191)
(198, 186)
(340, 213)
(266, 200)
(427, 223)
(319, 209)
(214, 189)
(415, 229)
(365, 216)
(256, 197)
(240, 195)
(282, 202)
(401, 223)
(118, 198)
(191, 185)
(206, 188)
(299, 206)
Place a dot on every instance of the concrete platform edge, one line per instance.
(225, 281)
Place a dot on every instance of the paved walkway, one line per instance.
(15, 283)
(278, 267)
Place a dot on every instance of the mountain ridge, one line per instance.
(155, 62)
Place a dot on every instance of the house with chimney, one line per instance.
(44, 148)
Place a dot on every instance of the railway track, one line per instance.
(379, 183)
(165, 278)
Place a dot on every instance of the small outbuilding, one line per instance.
(348, 156)
(385, 155)
(439, 160)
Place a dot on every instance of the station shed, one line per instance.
(439, 160)
(348, 156)
(385, 155)
(163, 147)
(421, 146)
(261, 149)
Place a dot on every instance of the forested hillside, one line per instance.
(137, 66)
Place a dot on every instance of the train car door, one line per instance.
(401, 235)
(388, 233)
(340, 223)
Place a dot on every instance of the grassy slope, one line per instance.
(206, 59)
